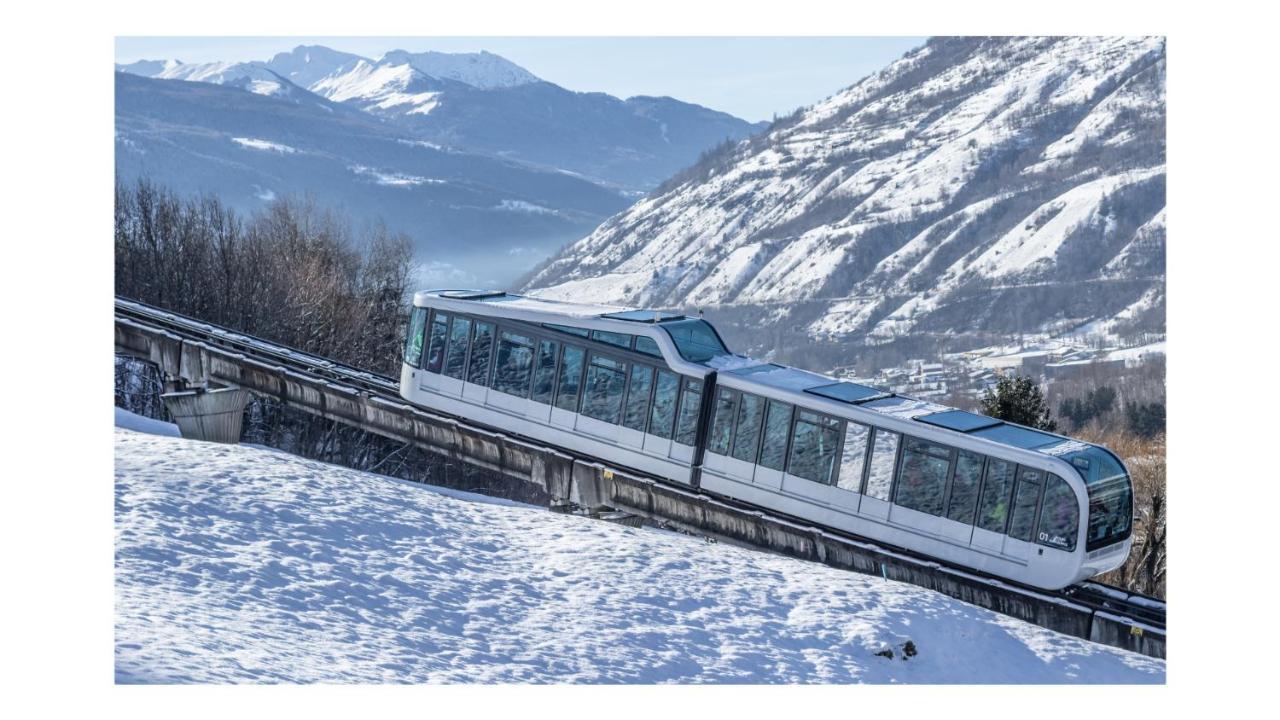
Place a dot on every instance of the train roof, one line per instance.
(789, 379)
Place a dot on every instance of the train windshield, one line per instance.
(696, 340)
(1110, 496)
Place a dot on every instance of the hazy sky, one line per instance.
(753, 78)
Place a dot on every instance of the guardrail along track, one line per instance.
(186, 348)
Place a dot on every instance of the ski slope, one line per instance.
(239, 564)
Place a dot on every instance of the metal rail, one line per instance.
(1139, 611)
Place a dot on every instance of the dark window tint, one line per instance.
(1110, 496)
(853, 457)
(964, 487)
(544, 372)
(664, 404)
(922, 482)
(813, 447)
(455, 362)
(515, 364)
(481, 349)
(1023, 521)
(602, 398)
(622, 340)
(580, 332)
(997, 492)
(884, 454)
(722, 424)
(690, 404)
(1059, 515)
(695, 339)
(637, 408)
(777, 426)
(414, 336)
(570, 378)
(747, 436)
(435, 344)
(648, 346)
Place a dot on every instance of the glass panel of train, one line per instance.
(922, 481)
(413, 341)
(1059, 515)
(435, 344)
(777, 426)
(884, 455)
(1026, 498)
(813, 447)
(602, 398)
(456, 354)
(746, 435)
(544, 372)
(722, 422)
(690, 405)
(965, 481)
(481, 349)
(663, 415)
(514, 367)
(638, 390)
(570, 377)
(853, 458)
(997, 490)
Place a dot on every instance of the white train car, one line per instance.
(660, 394)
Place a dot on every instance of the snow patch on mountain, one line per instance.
(260, 144)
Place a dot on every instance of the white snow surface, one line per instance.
(237, 564)
(267, 145)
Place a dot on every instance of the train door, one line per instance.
(564, 411)
(479, 360)
(994, 501)
(686, 433)
(875, 502)
(662, 413)
(635, 408)
(544, 381)
(1019, 542)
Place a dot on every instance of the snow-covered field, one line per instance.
(243, 564)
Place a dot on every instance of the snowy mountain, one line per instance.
(976, 187)
(240, 564)
(483, 103)
(461, 209)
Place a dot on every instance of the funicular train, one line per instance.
(660, 394)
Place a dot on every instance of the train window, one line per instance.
(965, 480)
(514, 368)
(580, 332)
(747, 436)
(997, 488)
(813, 447)
(663, 414)
(1022, 522)
(455, 361)
(602, 396)
(637, 408)
(1059, 515)
(777, 425)
(696, 340)
(690, 406)
(435, 345)
(481, 349)
(570, 378)
(544, 372)
(622, 340)
(884, 455)
(722, 425)
(854, 457)
(414, 336)
(647, 345)
(922, 481)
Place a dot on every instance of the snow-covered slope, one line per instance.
(483, 70)
(239, 564)
(976, 185)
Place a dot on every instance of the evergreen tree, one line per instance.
(1018, 399)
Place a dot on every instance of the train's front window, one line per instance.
(696, 340)
(1110, 496)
